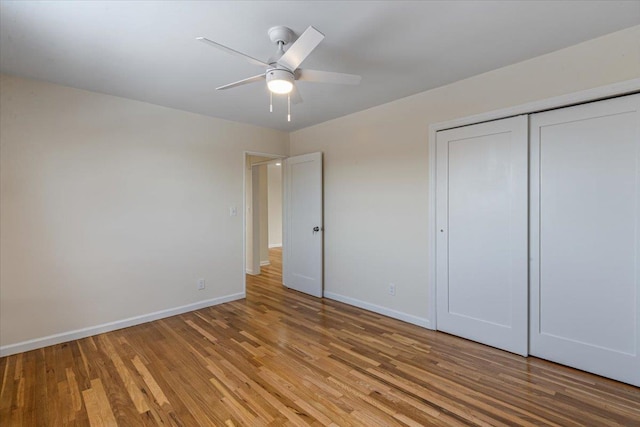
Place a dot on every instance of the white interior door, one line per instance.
(303, 230)
(585, 237)
(481, 244)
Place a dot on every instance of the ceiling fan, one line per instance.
(282, 68)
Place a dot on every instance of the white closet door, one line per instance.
(481, 245)
(585, 237)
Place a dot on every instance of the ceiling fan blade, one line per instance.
(232, 51)
(242, 82)
(318, 76)
(295, 95)
(302, 47)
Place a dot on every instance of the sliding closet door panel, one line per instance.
(585, 241)
(482, 233)
(479, 178)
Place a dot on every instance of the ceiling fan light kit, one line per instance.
(280, 81)
(282, 68)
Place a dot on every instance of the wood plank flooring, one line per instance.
(282, 358)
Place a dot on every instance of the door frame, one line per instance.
(616, 89)
(245, 165)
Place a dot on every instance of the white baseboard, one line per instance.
(264, 263)
(275, 245)
(36, 343)
(409, 318)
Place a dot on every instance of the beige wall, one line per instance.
(275, 204)
(112, 208)
(263, 212)
(248, 180)
(266, 210)
(376, 166)
(264, 215)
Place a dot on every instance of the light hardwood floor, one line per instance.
(282, 358)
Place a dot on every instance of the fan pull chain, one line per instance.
(288, 107)
(270, 102)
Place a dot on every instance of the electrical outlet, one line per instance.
(392, 289)
(200, 284)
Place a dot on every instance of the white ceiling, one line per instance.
(147, 50)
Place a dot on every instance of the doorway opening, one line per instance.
(301, 220)
(263, 215)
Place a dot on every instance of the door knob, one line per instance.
(316, 229)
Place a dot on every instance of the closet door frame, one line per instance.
(608, 91)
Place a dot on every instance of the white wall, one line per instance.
(112, 208)
(376, 167)
(274, 175)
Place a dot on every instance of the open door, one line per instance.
(302, 246)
